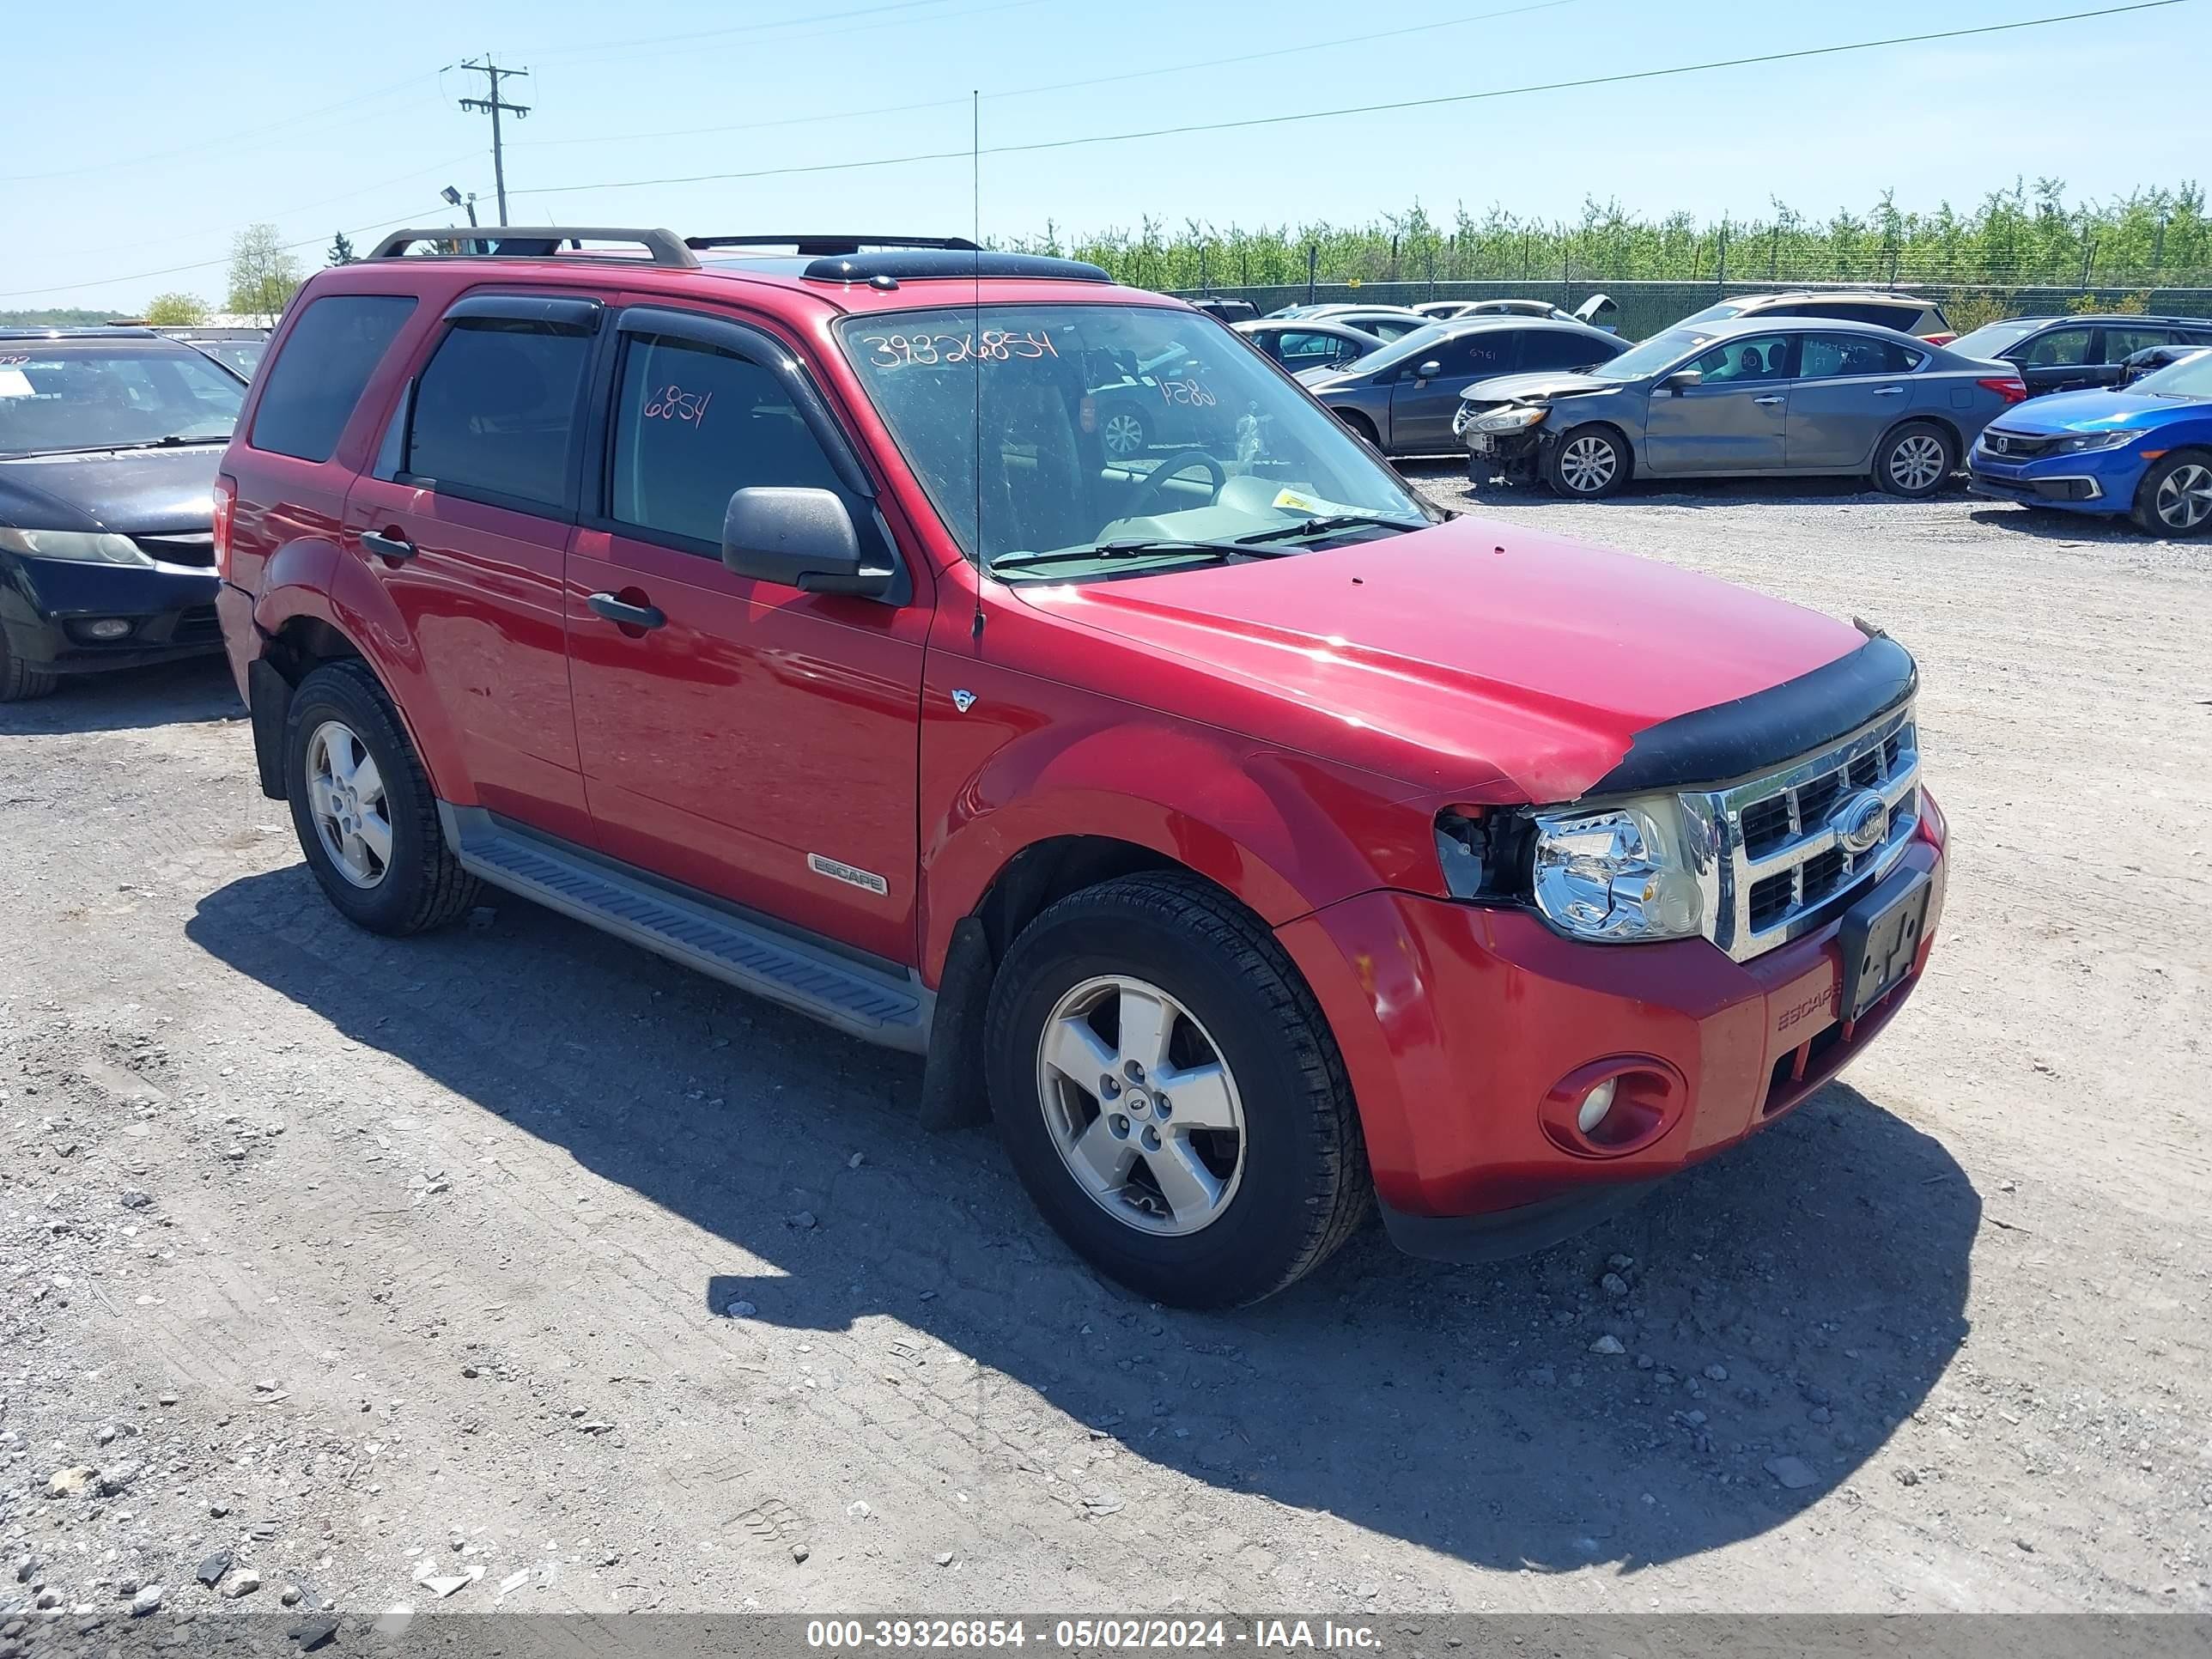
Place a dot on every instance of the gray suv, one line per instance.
(1908, 313)
(1740, 398)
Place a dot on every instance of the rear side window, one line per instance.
(692, 426)
(2122, 343)
(495, 411)
(1829, 356)
(318, 376)
(2060, 349)
(1553, 349)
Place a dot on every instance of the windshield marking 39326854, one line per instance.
(1095, 441)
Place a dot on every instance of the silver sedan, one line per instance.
(1759, 395)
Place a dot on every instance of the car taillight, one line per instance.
(1939, 339)
(2013, 390)
(226, 498)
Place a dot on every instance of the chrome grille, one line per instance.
(1777, 862)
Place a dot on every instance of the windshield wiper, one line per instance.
(1323, 525)
(1130, 550)
(170, 442)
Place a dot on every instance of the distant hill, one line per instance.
(57, 317)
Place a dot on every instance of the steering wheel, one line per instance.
(1168, 469)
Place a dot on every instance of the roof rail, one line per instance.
(538, 242)
(825, 245)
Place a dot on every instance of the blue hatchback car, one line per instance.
(2146, 451)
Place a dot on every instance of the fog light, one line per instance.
(1595, 1105)
(106, 628)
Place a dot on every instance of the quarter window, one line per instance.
(496, 410)
(692, 426)
(318, 376)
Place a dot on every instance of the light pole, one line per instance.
(455, 198)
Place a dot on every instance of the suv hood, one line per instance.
(132, 492)
(1475, 656)
(1537, 388)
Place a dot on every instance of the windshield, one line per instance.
(2189, 378)
(1987, 340)
(57, 395)
(244, 356)
(1660, 351)
(1114, 436)
(1404, 348)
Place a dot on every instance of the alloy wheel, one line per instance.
(1125, 435)
(1586, 466)
(345, 798)
(2184, 498)
(1917, 463)
(1140, 1105)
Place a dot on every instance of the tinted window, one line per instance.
(1858, 311)
(495, 410)
(1558, 349)
(2120, 343)
(1763, 357)
(2060, 347)
(316, 380)
(1490, 352)
(692, 425)
(1826, 356)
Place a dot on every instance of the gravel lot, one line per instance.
(373, 1267)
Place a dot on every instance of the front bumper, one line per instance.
(1456, 1021)
(1508, 452)
(46, 605)
(2100, 482)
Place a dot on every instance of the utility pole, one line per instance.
(493, 106)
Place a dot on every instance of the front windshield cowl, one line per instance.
(1048, 434)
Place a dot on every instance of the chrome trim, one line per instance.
(1727, 872)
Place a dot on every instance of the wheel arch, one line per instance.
(1608, 423)
(1938, 419)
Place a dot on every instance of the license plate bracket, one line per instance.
(1880, 937)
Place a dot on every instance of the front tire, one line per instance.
(364, 810)
(1588, 463)
(19, 681)
(1124, 432)
(2175, 497)
(1914, 460)
(1170, 1095)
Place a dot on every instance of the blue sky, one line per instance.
(143, 143)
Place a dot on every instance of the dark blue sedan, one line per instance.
(2146, 451)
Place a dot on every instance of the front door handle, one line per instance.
(387, 547)
(1766, 403)
(1889, 392)
(630, 616)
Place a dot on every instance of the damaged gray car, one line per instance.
(1736, 399)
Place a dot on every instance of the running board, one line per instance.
(868, 1003)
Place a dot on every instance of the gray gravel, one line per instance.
(479, 1257)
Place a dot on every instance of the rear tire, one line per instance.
(1161, 986)
(1588, 463)
(1914, 460)
(363, 809)
(2175, 497)
(19, 681)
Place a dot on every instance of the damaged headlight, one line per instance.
(1514, 417)
(1622, 874)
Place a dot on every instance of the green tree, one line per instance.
(176, 310)
(263, 274)
(341, 251)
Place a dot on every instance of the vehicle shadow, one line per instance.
(198, 688)
(1780, 1311)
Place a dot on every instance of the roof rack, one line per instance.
(538, 242)
(818, 246)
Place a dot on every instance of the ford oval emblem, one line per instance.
(1861, 823)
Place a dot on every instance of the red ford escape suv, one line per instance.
(1252, 837)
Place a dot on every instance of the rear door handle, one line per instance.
(388, 547)
(1889, 392)
(630, 616)
(1767, 402)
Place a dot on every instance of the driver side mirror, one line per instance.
(1682, 380)
(1428, 371)
(801, 538)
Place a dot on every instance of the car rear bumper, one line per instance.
(1461, 1026)
(2087, 483)
(49, 605)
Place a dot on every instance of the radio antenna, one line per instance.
(976, 345)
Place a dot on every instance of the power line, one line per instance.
(1237, 59)
(1371, 109)
(493, 105)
